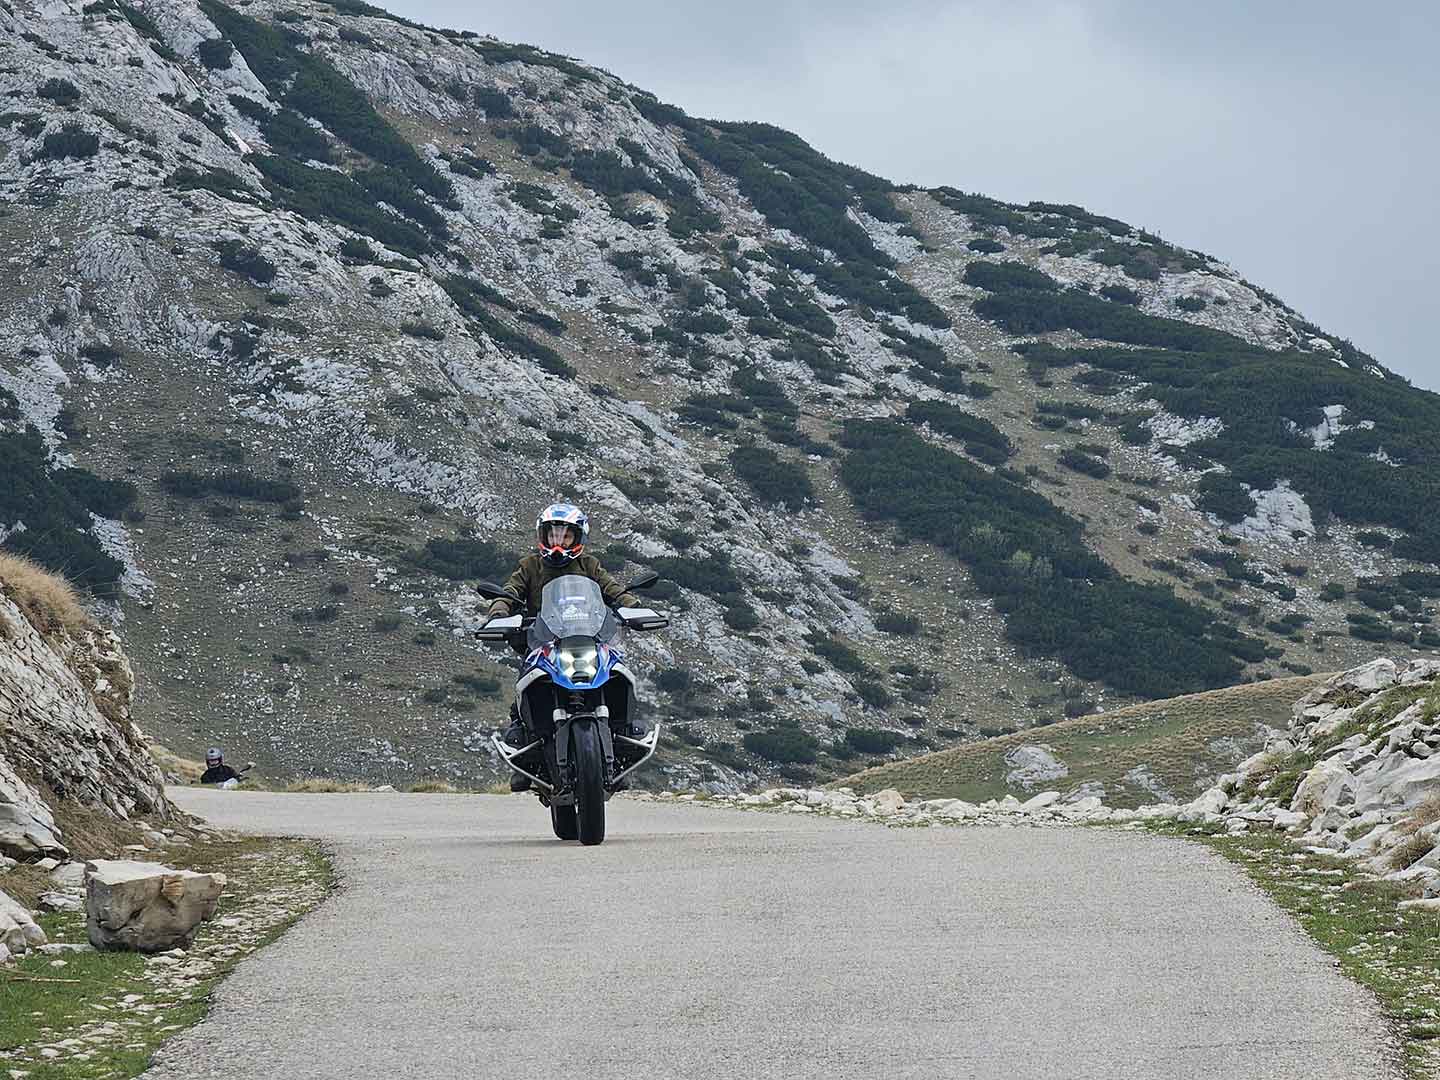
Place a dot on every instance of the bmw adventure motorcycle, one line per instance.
(586, 746)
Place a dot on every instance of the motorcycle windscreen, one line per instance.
(571, 606)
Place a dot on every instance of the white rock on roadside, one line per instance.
(1431, 905)
(146, 907)
(18, 930)
(1289, 819)
(888, 801)
(1039, 802)
(1376, 675)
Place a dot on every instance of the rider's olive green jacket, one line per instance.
(524, 586)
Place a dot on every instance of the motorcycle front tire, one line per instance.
(589, 784)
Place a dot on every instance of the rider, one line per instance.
(560, 534)
(216, 771)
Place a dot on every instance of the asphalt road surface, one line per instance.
(467, 942)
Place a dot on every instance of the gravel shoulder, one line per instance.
(466, 941)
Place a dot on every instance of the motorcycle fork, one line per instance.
(580, 710)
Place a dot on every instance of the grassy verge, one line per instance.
(90, 1015)
(1354, 918)
(1177, 740)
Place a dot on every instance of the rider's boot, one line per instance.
(517, 736)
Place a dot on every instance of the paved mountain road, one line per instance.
(466, 942)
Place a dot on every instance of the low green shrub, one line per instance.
(840, 655)
(215, 53)
(874, 693)
(60, 91)
(245, 260)
(894, 622)
(236, 484)
(1120, 294)
(71, 141)
(872, 740)
(774, 481)
(1082, 462)
(782, 745)
(1225, 497)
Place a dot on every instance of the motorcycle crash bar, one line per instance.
(647, 743)
(509, 753)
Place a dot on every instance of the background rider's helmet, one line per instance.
(560, 533)
(213, 756)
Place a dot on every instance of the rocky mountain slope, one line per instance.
(309, 308)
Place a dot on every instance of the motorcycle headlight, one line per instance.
(579, 662)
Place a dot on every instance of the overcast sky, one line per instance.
(1299, 142)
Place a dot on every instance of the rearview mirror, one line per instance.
(489, 590)
(644, 581)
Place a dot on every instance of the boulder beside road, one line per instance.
(146, 907)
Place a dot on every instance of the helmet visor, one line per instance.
(555, 534)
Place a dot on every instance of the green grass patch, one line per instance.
(42, 1005)
(1355, 919)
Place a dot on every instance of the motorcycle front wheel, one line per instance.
(589, 784)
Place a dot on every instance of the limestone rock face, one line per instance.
(1376, 675)
(66, 733)
(1373, 769)
(146, 907)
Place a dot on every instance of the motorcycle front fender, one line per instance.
(562, 743)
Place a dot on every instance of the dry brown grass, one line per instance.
(313, 785)
(89, 834)
(433, 787)
(1411, 851)
(1427, 813)
(170, 763)
(48, 601)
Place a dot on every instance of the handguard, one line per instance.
(642, 618)
(500, 629)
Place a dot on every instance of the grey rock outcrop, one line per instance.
(19, 932)
(66, 733)
(146, 907)
(1371, 783)
(1034, 764)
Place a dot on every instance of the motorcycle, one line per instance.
(587, 749)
